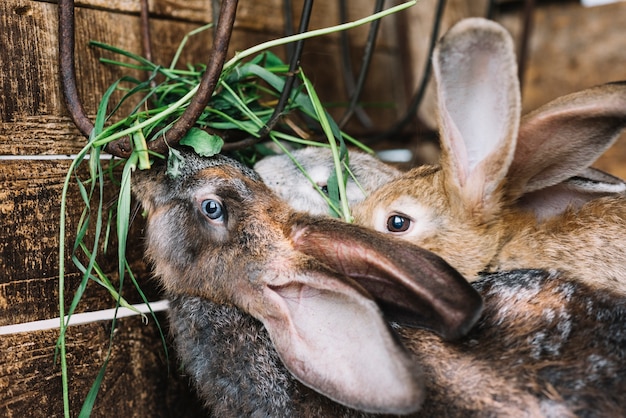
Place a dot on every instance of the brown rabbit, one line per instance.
(273, 314)
(510, 193)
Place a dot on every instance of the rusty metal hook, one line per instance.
(68, 69)
(122, 147)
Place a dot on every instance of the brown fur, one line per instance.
(503, 197)
(588, 242)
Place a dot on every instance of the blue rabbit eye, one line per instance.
(213, 209)
(397, 223)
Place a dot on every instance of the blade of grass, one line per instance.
(90, 400)
(156, 321)
(63, 216)
(330, 136)
(123, 213)
(100, 140)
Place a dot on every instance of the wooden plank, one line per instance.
(30, 196)
(30, 76)
(29, 237)
(565, 53)
(190, 10)
(325, 13)
(137, 381)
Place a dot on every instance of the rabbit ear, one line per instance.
(479, 107)
(574, 192)
(564, 137)
(333, 338)
(413, 286)
(331, 334)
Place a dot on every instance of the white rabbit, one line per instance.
(283, 176)
(511, 193)
(279, 313)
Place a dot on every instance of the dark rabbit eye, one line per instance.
(213, 209)
(323, 188)
(397, 223)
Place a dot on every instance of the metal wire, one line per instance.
(224, 27)
(527, 27)
(491, 6)
(346, 68)
(122, 147)
(290, 80)
(368, 52)
(411, 112)
(145, 30)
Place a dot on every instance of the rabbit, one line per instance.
(511, 192)
(282, 175)
(217, 232)
(276, 312)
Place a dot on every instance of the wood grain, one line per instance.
(29, 238)
(140, 379)
(572, 48)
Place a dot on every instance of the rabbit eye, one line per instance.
(323, 188)
(397, 223)
(213, 209)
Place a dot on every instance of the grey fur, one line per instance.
(572, 363)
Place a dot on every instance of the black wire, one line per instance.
(344, 42)
(288, 28)
(419, 94)
(294, 64)
(491, 6)
(367, 60)
(346, 67)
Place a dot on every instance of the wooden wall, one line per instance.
(35, 132)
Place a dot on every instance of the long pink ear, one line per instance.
(564, 137)
(321, 313)
(479, 107)
(333, 339)
(574, 192)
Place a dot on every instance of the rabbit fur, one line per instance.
(275, 312)
(282, 175)
(511, 192)
(217, 232)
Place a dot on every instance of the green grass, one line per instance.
(249, 85)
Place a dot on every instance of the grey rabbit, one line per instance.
(284, 177)
(276, 312)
